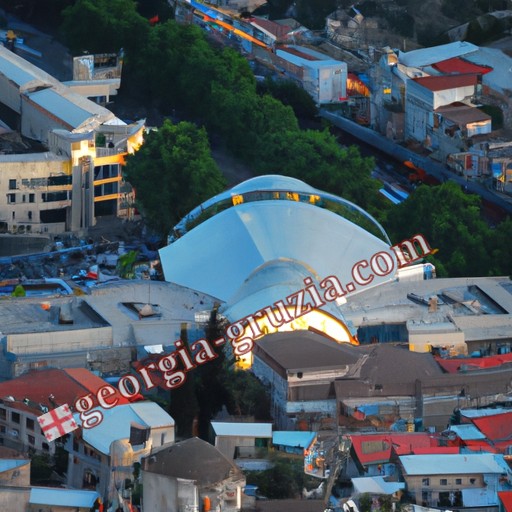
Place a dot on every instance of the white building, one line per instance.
(72, 171)
(324, 78)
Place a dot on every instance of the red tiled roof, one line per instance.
(441, 83)
(477, 363)
(497, 427)
(65, 386)
(460, 66)
(376, 448)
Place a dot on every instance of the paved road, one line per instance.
(402, 154)
(55, 60)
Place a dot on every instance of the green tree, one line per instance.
(247, 395)
(290, 93)
(317, 158)
(100, 26)
(172, 173)
(451, 221)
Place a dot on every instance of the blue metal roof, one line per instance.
(294, 439)
(117, 421)
(60, 106)
(14, 73)
(8, 464)
(62, 497)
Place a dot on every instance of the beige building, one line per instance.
(65, 169)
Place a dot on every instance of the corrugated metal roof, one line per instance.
(242, 429)
(61, 107)
(495, 428)
(307, 351)
(376, 485)
(442, 83)
(479, 498)
(477, 413)
(427, 56)
(62, 497)
(506, 499)
(485, 463)
(461, 66)
(293, 439)
(117, 421)
(467, 432)
(376, 448)
(15, 73)
(8, 464)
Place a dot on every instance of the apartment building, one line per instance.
(60, 154)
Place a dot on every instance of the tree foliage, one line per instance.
(102, 26)
(172, 173)
(451, 221)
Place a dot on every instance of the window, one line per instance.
(472, 481)
(458, 481)
(3, 413)
(29, 215)
(443, 481)
(30, 423)
(31, 198)
(12, 185)
(23, 198)
(15, 417)
(31, 440)
(425, 481)
(11, 198)
(46, 447)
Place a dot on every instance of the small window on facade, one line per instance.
(443, 481)
(3, 414)
(30, 423)
(31, 198)
(15, 417)
(11, 198)
(29, 215)
(31, 440)
(472, 480)
(458, 481)
(12, 184)
(426, 481)
(46, 447)
(23, 198)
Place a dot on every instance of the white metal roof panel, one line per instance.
(376, 485)
(242, 429)
(427, 56)
(15, 73)
(117, 421)
(452, 464)
(60, 106)
(62, 497)
(242, 238)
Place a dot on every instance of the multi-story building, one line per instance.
(60, 154)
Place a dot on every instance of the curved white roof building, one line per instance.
(255, 244)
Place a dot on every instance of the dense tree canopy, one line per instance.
(102, 26)
(451, 221)
(172, 173)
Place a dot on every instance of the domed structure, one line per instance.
(268, 237)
